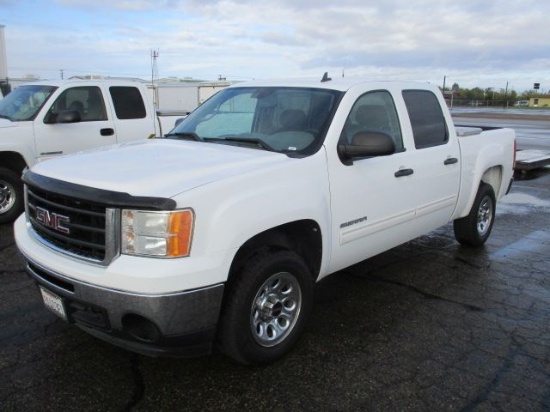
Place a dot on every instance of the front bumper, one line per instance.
(150, 306)
(176, 324)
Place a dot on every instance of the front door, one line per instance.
(373, 200)
(94, 128)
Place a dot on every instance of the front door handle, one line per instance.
(450, 161)
(107, 131)
(404, 172)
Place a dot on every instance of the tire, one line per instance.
(474, 229)
(266, 307)
(11, 195)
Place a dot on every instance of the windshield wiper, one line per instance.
(251, 141)
(185, 135)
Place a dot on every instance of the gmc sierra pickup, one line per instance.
(217, 233)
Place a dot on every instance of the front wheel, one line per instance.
(11, 195)
(266, 307)
(474, 229)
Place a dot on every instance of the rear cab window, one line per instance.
(427, 120)
(128, 102)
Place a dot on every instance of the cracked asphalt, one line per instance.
(427, 326)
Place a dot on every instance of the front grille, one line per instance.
(72, 225)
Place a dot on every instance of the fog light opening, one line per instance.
(140, 328)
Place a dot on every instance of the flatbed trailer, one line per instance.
(527, 160)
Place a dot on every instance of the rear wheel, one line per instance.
(266, 307)
(474, 229)
(11, 195)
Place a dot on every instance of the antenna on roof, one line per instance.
(325, 78)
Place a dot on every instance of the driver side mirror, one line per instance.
(64, 116)
(68, 116)
(366, 144)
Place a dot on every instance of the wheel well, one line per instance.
(493, 177)
(303, 237)
(13, 161)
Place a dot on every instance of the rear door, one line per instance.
(435, 160)
(132, 122)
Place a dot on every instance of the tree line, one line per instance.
(489, 96)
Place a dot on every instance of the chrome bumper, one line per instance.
(177, 324)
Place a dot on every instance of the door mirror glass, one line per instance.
(68, 116)
(366, 144)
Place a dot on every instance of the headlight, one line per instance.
(162, 234)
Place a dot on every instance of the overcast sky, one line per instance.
(484, 43)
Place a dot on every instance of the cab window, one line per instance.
(427, 120)
(374, 112)
(128, 102)
(86, 100)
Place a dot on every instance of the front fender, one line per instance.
(18, 137)
(233, 210)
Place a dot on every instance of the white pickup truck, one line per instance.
(44, 119)
(218, 232)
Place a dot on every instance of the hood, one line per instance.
(7, 123)
(157, 167)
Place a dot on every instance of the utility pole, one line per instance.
(154, 69)
(506, 95)
(61, 73)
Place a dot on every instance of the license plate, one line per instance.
(53, 303)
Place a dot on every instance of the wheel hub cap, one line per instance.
(484, 216)
(6, 197)
(269, 308)
(275, 309)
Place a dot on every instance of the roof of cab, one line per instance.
(107, 81)
(341, 84)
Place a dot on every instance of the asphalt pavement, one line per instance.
(427, 326)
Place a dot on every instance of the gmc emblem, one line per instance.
(54, 221)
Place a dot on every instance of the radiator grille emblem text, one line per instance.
(53, 220)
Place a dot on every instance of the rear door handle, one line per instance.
(107, 131)
(450, 161)
(404, 172)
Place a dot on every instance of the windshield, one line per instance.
(25, 102)
(285, 120)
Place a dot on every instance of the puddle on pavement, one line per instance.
(434, 240)
(534, 242)
(520, 203)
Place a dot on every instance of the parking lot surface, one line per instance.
(429, 325)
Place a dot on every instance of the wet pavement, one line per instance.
(427, 326)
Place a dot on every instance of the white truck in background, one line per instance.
(44, 119)
(217, 232)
